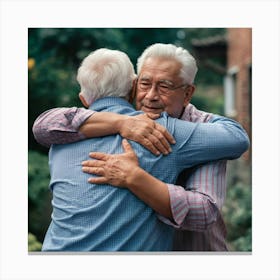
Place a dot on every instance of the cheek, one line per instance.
(139, 98)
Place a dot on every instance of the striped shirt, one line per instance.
(196, 200)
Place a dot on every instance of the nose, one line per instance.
(152, 93)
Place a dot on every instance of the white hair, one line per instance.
(105, 72)
(189, 67)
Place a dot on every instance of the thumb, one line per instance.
(127, 147)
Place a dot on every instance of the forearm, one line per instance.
(151, 191)
(60, 125)
(234, 136)
(102, 124)
(205, 142)
(66, 125)
(184, 209)
(191, 210)
(196, 206)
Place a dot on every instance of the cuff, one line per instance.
(178, 206)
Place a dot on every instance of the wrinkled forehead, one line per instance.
(161, 68)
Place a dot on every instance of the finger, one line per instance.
(160, 143)
(98, 180)
(127, 147)
(165, 133)
(147, 143)
(100, 156)
(161, 140)
(93, 163)
(144, 141)
(93, 170)
(153, 116)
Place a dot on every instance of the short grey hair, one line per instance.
(105, 72)
(189, 67)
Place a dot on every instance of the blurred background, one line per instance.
(223, 82)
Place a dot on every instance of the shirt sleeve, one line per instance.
(198, 143)
(197, 205)
(60, 125)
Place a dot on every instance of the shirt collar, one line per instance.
(105, 102)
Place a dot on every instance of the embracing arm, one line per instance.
(199, 195)
(204, 142)
(60, 125)
(150, 190)
(197, 205)
(67, 125)
(194, 208)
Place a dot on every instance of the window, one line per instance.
(230, 92)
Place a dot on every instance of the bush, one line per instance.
(238, 217)
(209, 99)
(33, 243)
(39, 196)
(38, 177)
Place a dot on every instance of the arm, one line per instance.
(159, 196)
(60, 125)
(199, 143)
(199, 196)
(196, 206)
(66, 125)
(200, 193)
(139, 128)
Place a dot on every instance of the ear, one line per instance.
(84, 102)
(188, 94)
(132, 93)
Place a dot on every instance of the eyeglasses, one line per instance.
(162, 87)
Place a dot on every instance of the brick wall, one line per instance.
(239, 56)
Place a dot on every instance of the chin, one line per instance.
(151, 110)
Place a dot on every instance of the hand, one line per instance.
(115, 170)
(145, 131)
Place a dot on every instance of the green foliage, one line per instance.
(205, 76)
(38, 177)
(243, 243)
(33, 243)
(39, 204)
(237, 211)
(209, 99)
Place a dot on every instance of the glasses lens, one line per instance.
(163, 88)
(144, 85)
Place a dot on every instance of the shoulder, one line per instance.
(192, 114)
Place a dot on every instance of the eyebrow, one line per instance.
(145, 78)
(148, 78)
(166, 82)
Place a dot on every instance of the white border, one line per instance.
(17, 16)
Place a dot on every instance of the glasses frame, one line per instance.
(169, 88)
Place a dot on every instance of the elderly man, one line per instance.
(165, 82)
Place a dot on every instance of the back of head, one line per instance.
(189, 67)
(105, 72)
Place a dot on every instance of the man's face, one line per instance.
(158, 74)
